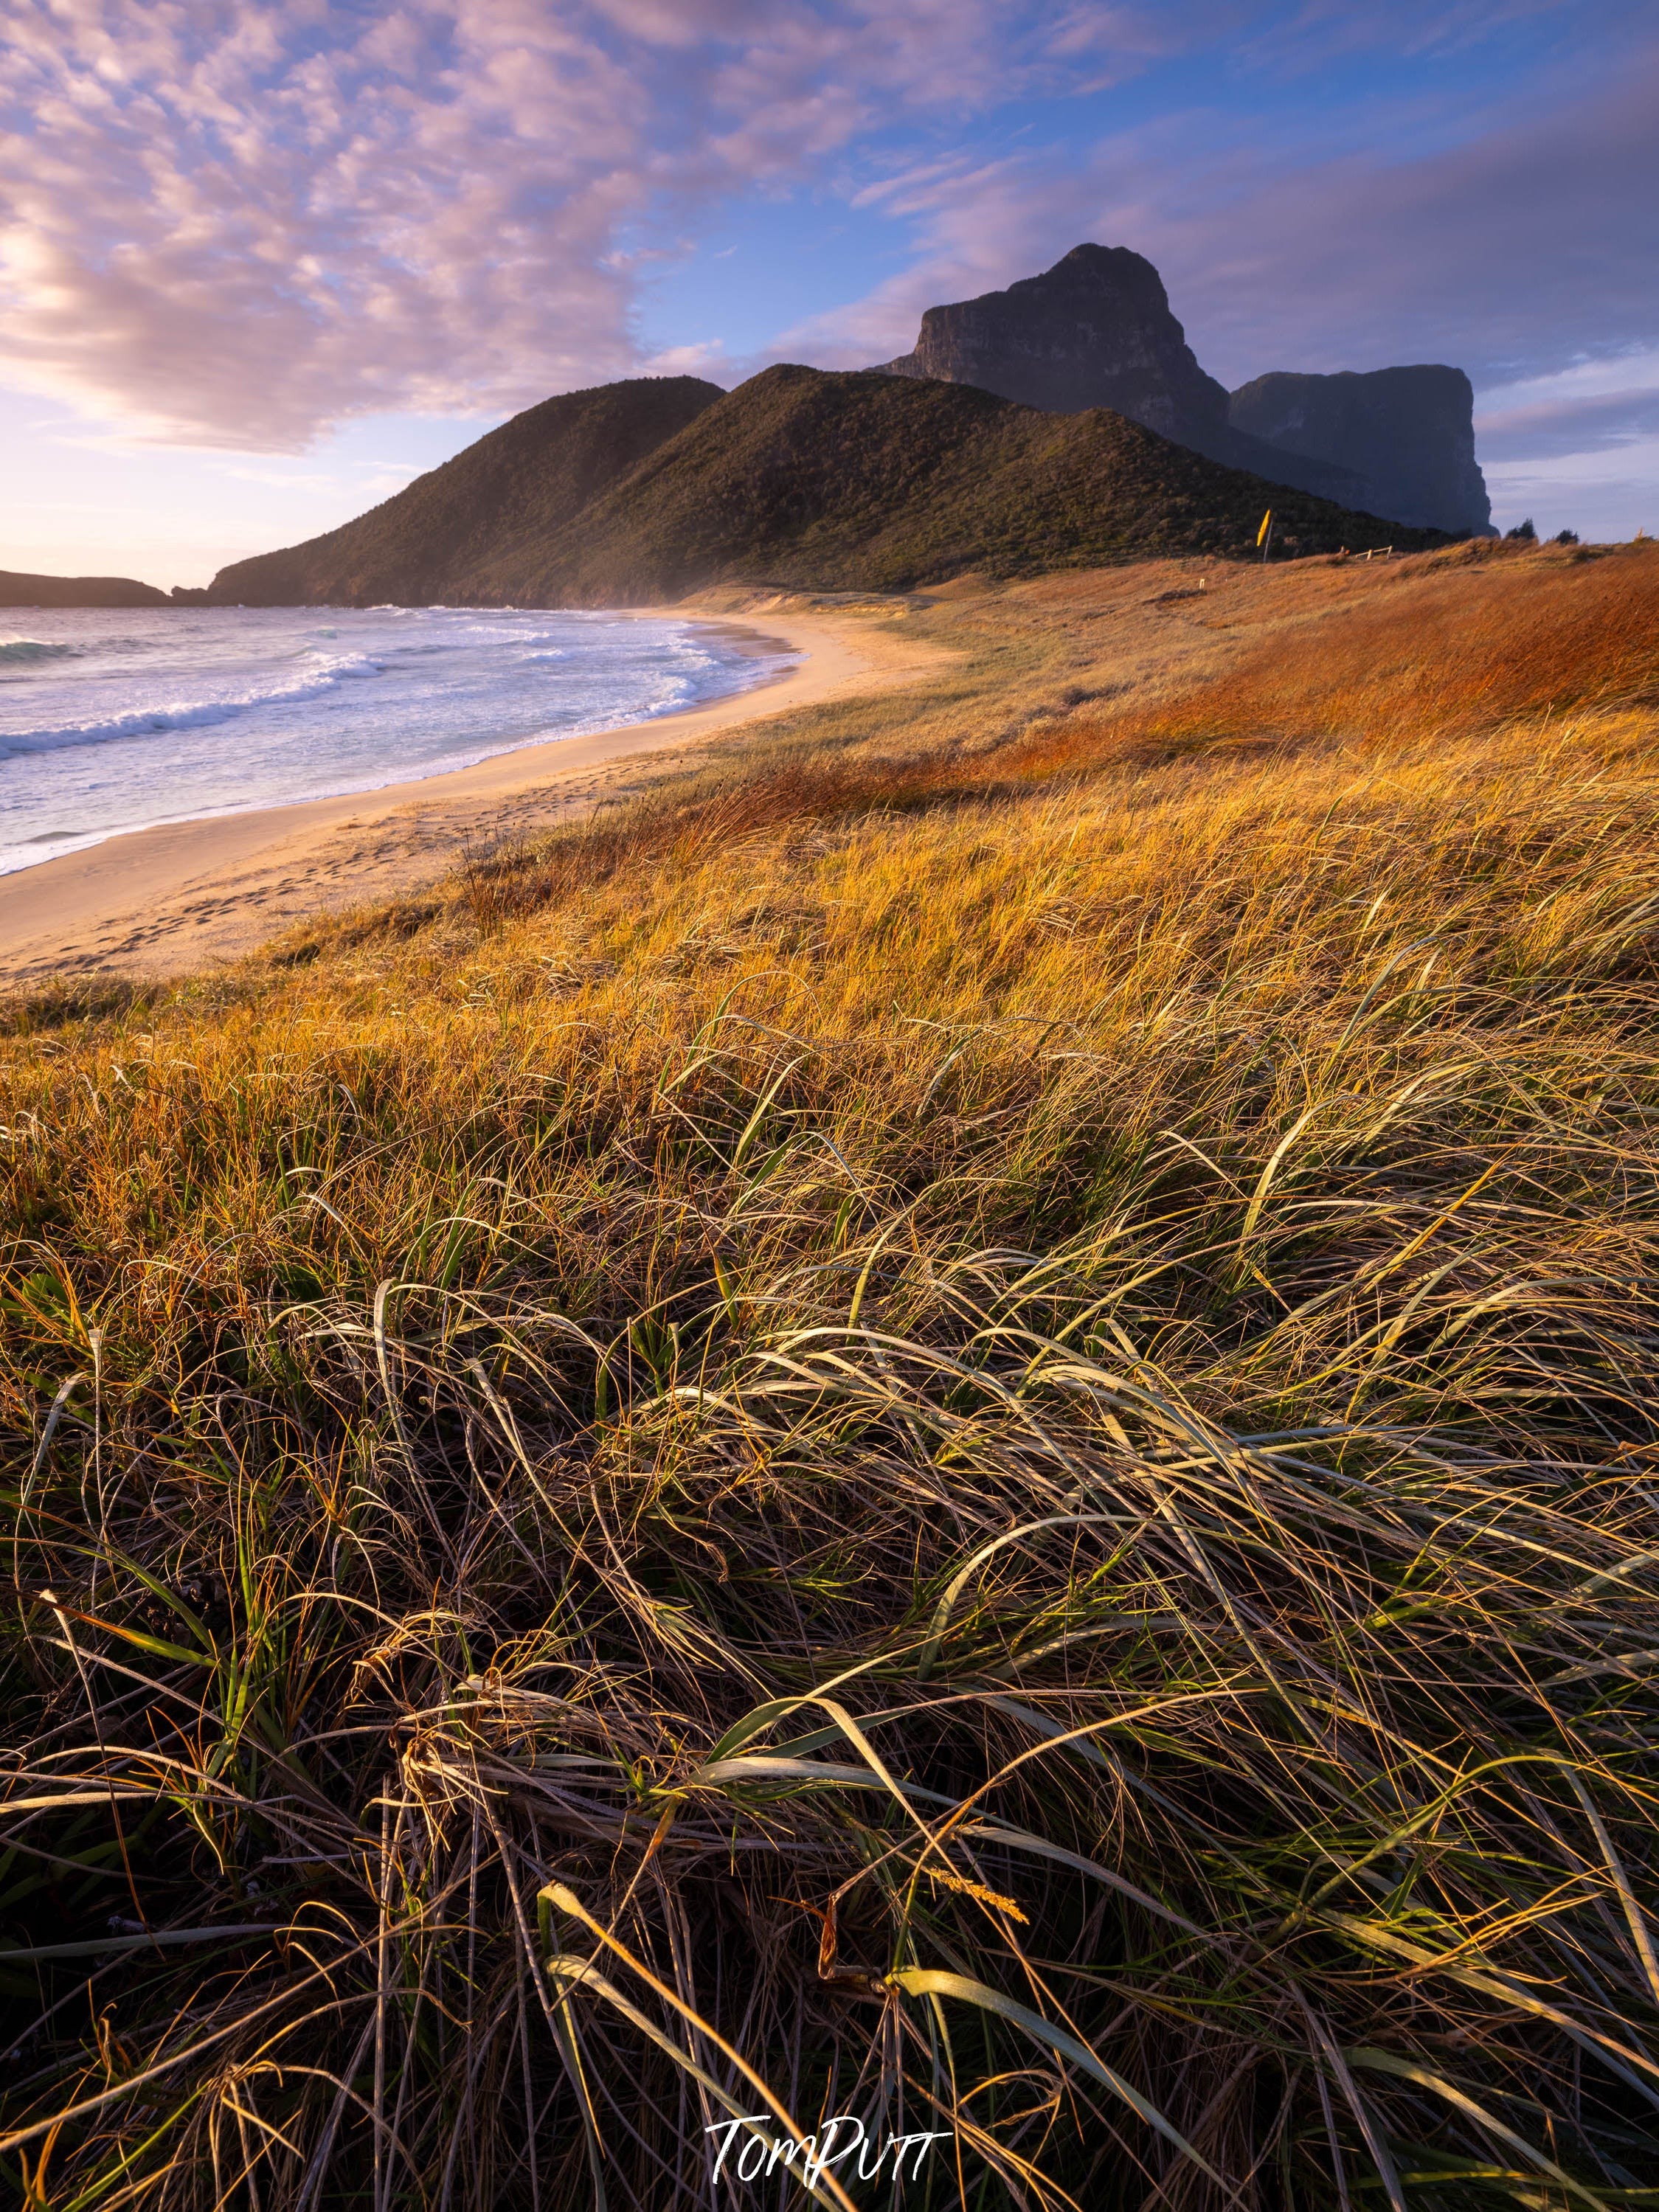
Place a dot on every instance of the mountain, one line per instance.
(21, 590)
(852, 480)
(1409, 432)
(857, 481)
(1096, 331)
(519, 485)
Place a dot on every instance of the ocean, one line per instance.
(114, 720)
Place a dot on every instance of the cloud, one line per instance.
(980, 224)
(1513, 251)
(232, 232)
(1592, 407)
(706, 358)
(1572, 427)
(235, 223)
(238, 223)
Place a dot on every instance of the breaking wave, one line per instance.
(187, 714)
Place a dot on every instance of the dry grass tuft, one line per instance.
(977, 1430)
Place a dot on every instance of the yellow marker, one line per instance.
(1267, 524)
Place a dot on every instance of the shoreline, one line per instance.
(747, 643)
(182, 895)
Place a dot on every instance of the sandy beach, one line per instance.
(188, 895)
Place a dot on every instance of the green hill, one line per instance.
(519, 485)
(806, 479)
(857, 482)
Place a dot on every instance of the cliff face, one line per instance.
(1408, 432)
(17, 590)
(1096, 331)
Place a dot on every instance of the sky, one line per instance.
(261, 264)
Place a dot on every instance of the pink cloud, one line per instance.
(233, 224)
(237, 222)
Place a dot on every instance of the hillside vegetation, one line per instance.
(955, 1423)
(524, 482)
(802, 478)
(874, 483)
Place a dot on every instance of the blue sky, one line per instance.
(259, 266)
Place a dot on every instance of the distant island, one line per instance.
(18, 590)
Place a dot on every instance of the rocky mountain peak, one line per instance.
(1096, 331)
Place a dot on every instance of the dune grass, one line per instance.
(965, 1438)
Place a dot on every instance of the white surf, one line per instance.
(115, 720)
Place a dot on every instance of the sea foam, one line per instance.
(184, 713)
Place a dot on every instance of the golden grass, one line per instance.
(1454, 640)
(967, 1409)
